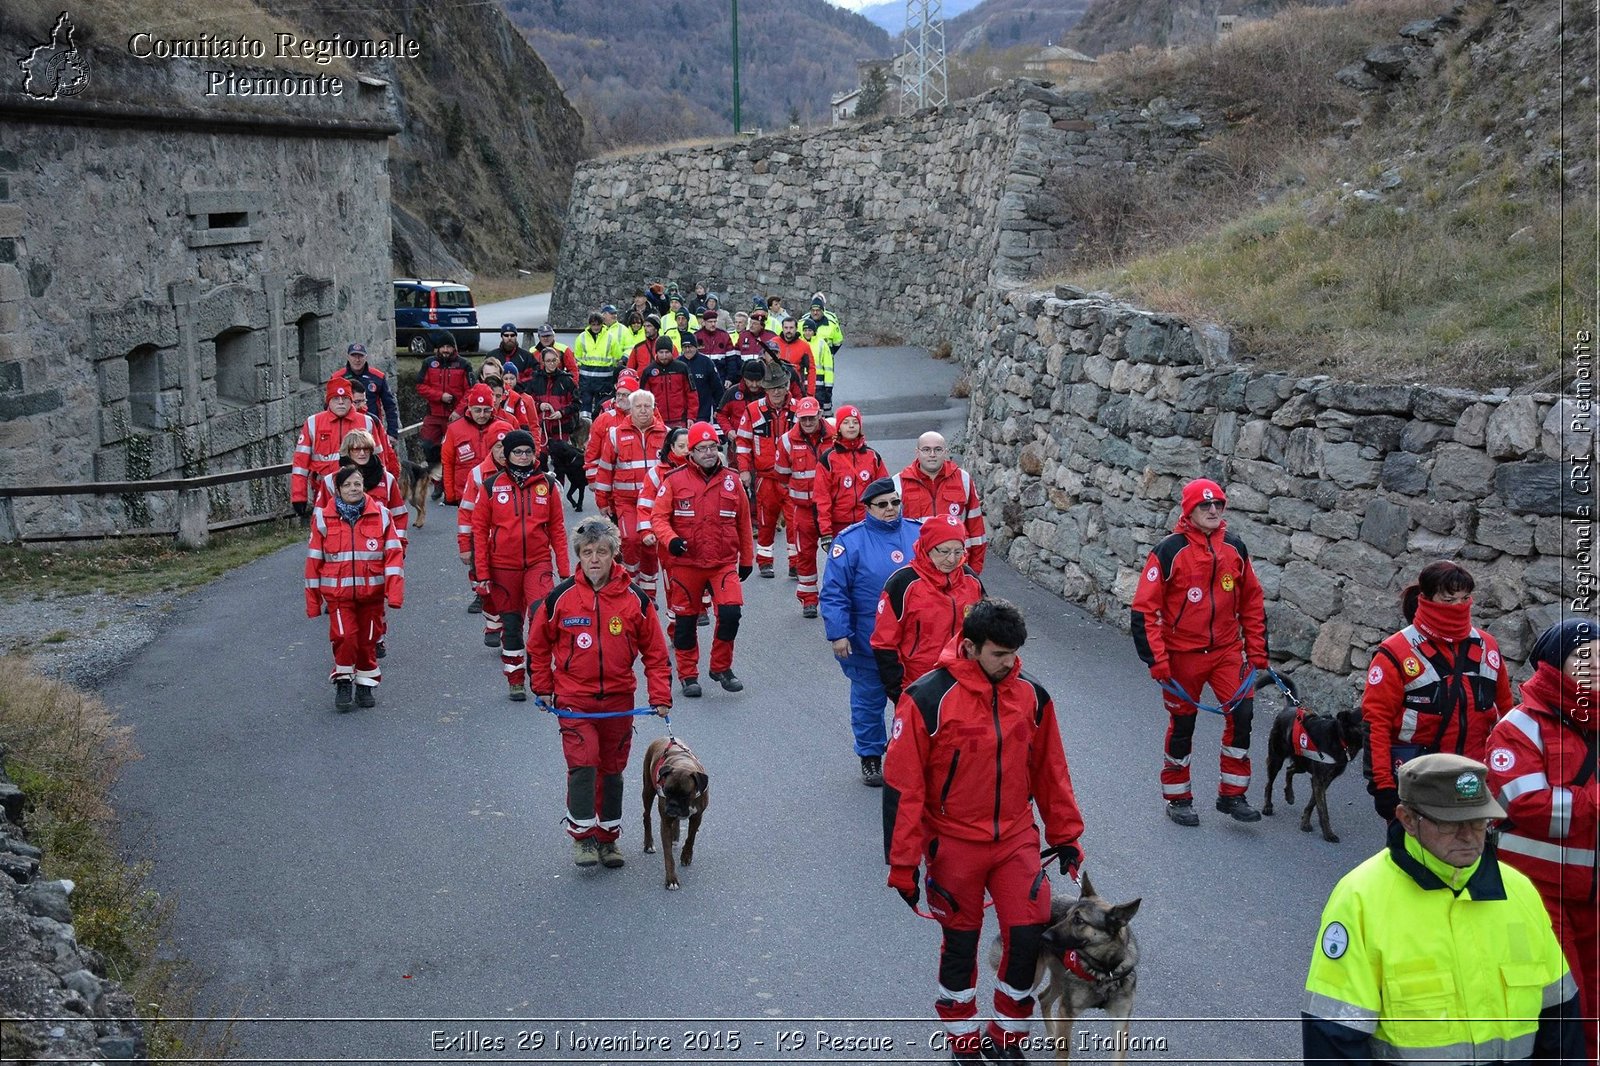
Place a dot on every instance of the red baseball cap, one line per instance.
(807, 405)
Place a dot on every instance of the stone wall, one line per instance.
(44, 972)
(1089, 415)
(905, 223)
(187, 279)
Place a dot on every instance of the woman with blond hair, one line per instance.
(357, 450)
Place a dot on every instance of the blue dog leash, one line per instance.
(1174, 689)
(637, 712)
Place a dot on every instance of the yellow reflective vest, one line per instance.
(822, 359)
(596, 352)
(1417, 960)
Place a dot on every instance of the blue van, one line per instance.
(421, 307)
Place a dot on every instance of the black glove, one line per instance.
(746, 571)
(825, 543)
(1385, 800)
(678, 546)
(1070, 855)
(301, 508)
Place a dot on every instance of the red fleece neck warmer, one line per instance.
(1555, 691)
(1444, 621)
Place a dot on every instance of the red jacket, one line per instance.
(798, 459)
(466, 444)
(843, 473)
(626, 457)
(438, 379)
(759, 432)
(644, 353)
(608, 415)
(797, 353)
(1425, 694)
(949, 492)
(751, 343)
(316, 453)
(1199, 593)
(583, 641)
(920, 610)
(713, 342)
(677, 400)
(734, 404)
(709, 510)
(518, 526)
(559, 391)
(969, 759)
(349, 561)
(1542, 769)
(469, 502)
(386, 492)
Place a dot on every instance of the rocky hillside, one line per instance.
(482, 168)
(1118, 25)
(1001, 24)
(654, 73)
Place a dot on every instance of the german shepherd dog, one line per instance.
(1320, 745)
(414, 483)
(677, 781)
(1088, 958)
(566, 462)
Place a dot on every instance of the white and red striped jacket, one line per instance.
(950, 493)
(316, 453)
(626, 457)
(798, 458)
(469, 502)
(388, 495)
(349, 561)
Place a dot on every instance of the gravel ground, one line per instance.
(81, 639)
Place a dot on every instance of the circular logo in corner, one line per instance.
(1494, 659)
(899, 724)
(897, 556)
(1152, 574)
(372, 545)
(1194, 594)
(1335, 940)
(1501, 760)
(1375, 675)
(585, 640)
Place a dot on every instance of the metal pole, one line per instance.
(736, 116)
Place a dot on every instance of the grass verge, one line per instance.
(491, 290)
(136, 565)
(65, 749)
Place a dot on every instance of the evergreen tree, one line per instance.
(874, 94)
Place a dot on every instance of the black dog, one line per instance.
(566, 462)
(1320, 745)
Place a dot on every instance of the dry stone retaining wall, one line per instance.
(1088, 415)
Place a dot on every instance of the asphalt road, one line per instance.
(402, 870)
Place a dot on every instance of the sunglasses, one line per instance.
(884, 505)
(1210, 505)
(508, 333)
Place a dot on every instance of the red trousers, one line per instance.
(687, 587)
(959, 871)
(772, 500)
(803, 539)
(641, 562)
(1223, 669)
(513, 592)
(354, 629)
(596, 750)
(1577, 926)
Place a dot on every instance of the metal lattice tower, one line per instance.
(923, 82)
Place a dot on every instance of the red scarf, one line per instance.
(1553, 691)
(1446, 622)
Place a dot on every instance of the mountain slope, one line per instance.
(652, 73)
(891, 14)
(1000, 24)
(1118, 25)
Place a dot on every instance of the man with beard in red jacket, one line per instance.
(973, 750)
(932, 484)
(517, 529)
(923, 605)
(596, 626)
(1199, 619)
(701, 515)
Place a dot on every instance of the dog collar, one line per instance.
(1081, 967)
(661, 764)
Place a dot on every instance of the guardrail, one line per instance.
(194, 526)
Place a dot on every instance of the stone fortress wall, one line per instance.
(1088, 414)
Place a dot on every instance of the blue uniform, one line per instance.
(861, 559)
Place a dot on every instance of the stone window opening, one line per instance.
(228, 220)
(238, 356)
(144, 388)
(309, 332)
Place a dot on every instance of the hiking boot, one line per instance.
(995, 1053)
(766, 570)
(1238, 808)
(584, 853)
(438, 491)
(691, 687)
(872, 771)
(1182, 812)
(366, 696)
(611, 855)
(808, 610)
(794, 572)
(476, 606)
(491, 638)
(519, 693)
(383, 649)
(343, 697)
(728, 682)
(703, 620)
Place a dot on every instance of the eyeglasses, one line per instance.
(1210, 505)
(522, 451)
(949, 553)
(884, 505)
(1472, 825)
(360, 448)
(508, 333)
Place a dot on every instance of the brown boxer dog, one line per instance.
(672, 773)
